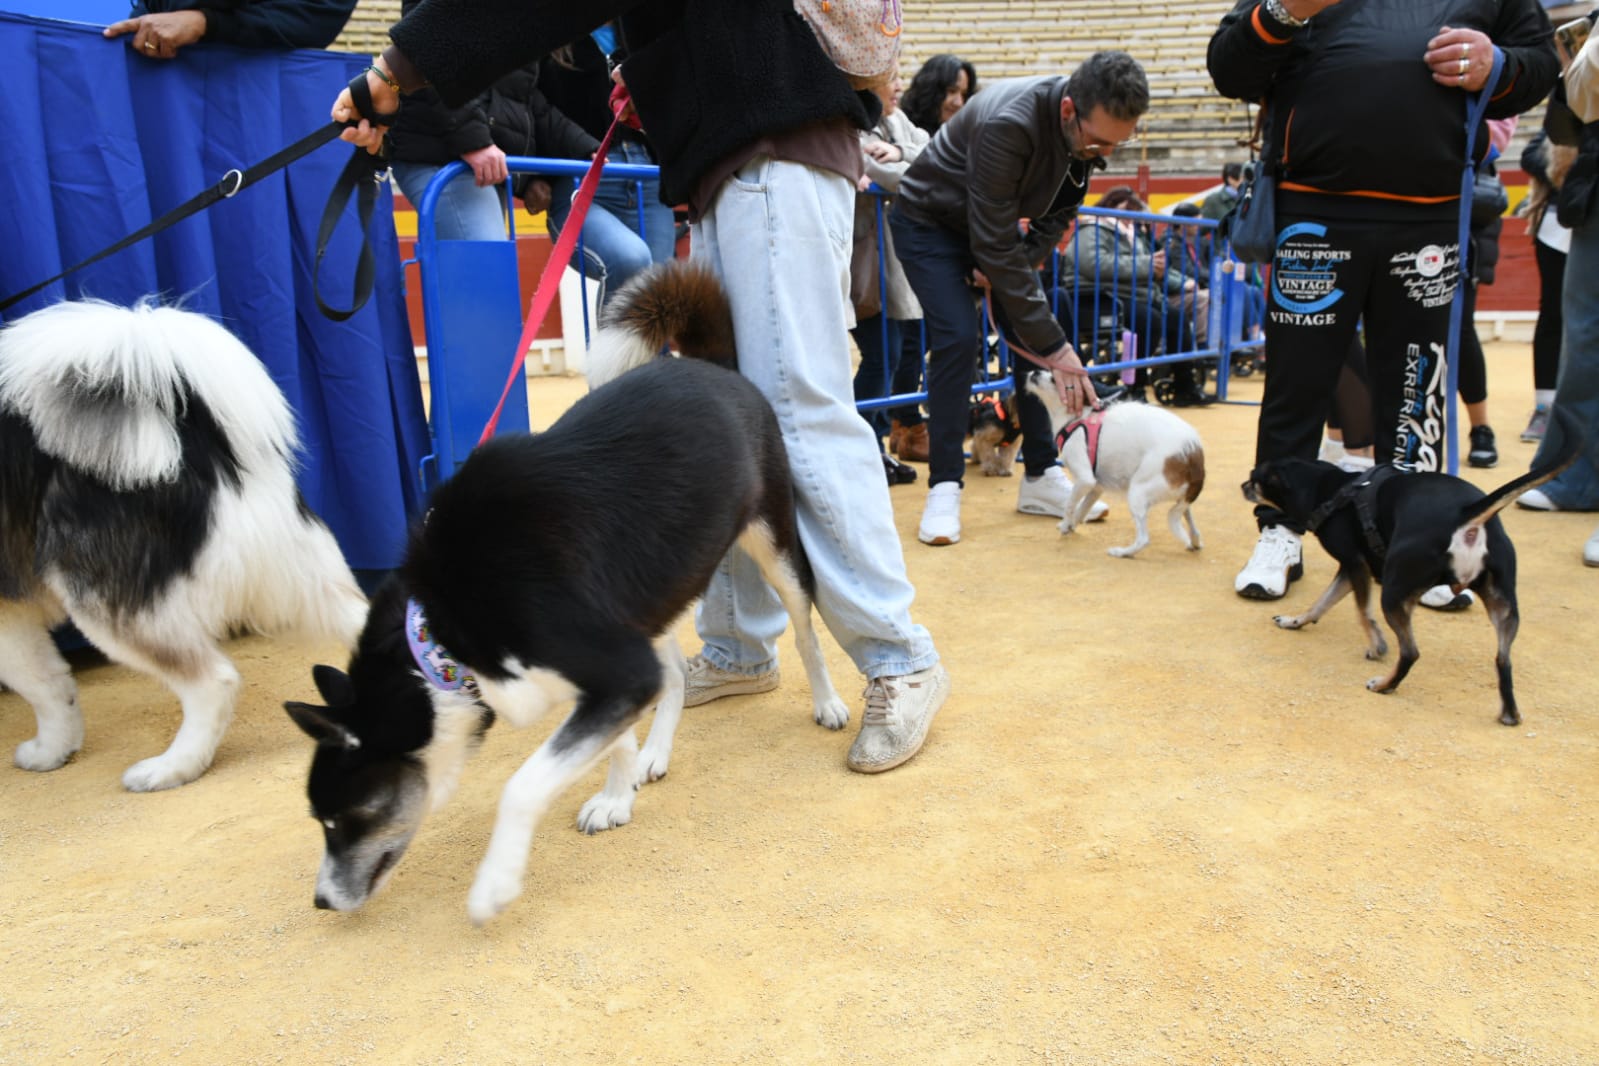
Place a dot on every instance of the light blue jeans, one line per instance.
(613, 251)
(1577, 389)
(465, 211)
(778, 235)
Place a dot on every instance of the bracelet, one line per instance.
(385, 77)
(1275, 9)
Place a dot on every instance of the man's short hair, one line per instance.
(1113, 81)
(1232, 172)
(1185, 209)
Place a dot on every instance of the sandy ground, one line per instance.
(1148, 827)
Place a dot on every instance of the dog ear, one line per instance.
(319, 727)
(334, 685)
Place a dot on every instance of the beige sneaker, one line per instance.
(704, 682)
(899, 711)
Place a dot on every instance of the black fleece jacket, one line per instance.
(263, 23)
(1357, 120)
(708, 77)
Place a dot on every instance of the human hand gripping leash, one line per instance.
(236, 180)
(1072, 383)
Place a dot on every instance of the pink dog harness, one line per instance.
(1090, 424)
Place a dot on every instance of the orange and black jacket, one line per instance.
(1358, 127)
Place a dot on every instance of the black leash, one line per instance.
(361, 166)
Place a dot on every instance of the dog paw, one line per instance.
(1380, 684)
(652, 765)
(492, 892)
(1288, 621)
(831, 713)
(40, 757)
(160, 772)
(1122, 553)
(1066, 526)
(606, 812)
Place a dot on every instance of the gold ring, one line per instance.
(150, 45)
(1465, 65)
(1465, 49)
(1462, 81)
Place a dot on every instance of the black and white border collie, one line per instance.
(551, 568)
(147, 494)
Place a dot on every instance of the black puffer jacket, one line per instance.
(1355, 112)
(513, 113)
(708, 77)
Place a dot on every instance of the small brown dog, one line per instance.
(996, 435)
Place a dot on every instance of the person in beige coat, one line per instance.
(888, 318)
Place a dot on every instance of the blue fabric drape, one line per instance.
(102, 141)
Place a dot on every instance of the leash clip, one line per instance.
(381, 176)
(238, 182)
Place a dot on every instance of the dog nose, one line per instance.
(322, 903)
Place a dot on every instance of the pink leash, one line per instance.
(549, 279)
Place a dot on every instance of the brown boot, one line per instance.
(896, 433)
(913, 445)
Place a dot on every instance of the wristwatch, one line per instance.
(1275, 9)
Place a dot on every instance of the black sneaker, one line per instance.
(1483, 453)
(898, 473)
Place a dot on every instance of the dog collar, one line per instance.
(1090, 423)
(438, 666)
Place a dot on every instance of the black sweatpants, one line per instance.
(1327, 276)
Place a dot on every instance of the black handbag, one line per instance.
(1251, 227)
(1489, 200)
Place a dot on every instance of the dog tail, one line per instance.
(132, 373)
(1571, 442)
(678, 305)
(1188, 467)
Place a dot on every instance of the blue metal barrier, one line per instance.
(472, 317)
(1231, 322)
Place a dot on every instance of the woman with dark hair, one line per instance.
(940, 88)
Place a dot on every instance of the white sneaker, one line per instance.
(704, 682)
(1356, 464)
(1049, 493)
(941, 518)
(1443, 598)
(1536, 500)
(898, 713)
(1332, 451)
(1276, 562)
(1590, 550)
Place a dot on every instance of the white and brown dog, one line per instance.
(1139, 449)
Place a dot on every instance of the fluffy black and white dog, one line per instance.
(147, 494)
(551, 568)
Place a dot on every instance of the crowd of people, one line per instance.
(977, 185)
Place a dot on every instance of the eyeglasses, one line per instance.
(1099, 149)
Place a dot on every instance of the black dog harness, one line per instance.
(1362, 493)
